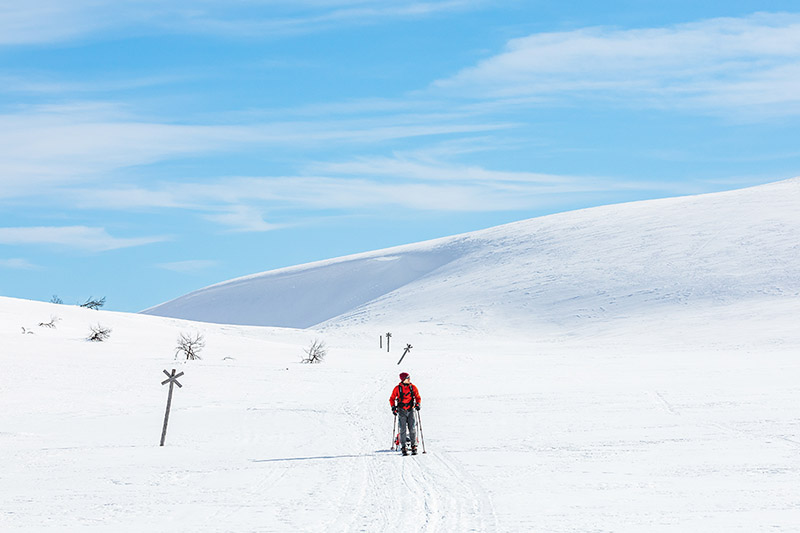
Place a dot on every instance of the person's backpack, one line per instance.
(405, 396)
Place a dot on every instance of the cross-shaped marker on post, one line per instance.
(172, 379)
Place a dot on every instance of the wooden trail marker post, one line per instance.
(388, 336)
(408, 349)
(172, 379)
(381, 341)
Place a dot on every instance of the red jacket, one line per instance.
(406, 398)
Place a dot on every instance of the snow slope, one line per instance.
(299, 297)
(574, 435)
(581, 270)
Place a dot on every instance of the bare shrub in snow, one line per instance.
(316, 352)
(24, 331)
(190, 345)
(51, 324)
(98, 333)
(91, 303)
(56, 300)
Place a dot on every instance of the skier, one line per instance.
(404, 399)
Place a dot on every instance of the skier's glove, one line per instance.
(417, 407)
(394, 409)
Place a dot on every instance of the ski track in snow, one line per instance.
(436, 494)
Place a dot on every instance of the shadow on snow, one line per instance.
(319, 457)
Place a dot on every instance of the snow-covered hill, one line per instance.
(657, 390)
(594, 268)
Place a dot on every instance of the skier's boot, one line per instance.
(405, 450)
(413, 449)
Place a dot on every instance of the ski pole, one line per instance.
(394, 443)
(421, 436)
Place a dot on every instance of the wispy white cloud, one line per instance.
(51, 21)
(80, 237)
(66, 145)
(40, 21)
(18, 264)
(48, 147)
(364, 194)
(125, 198)
(428, 169)
(417, 180)
(711, 64)
(243, 219)
(323, 16)
(192, 265)
(368, 130)
(38, 83)
(372, 184)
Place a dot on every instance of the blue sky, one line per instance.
(152, 148)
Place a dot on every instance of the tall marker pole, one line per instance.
(172, 379)
(408, 349)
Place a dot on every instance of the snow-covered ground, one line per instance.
(628, 368)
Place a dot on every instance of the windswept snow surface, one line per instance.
(582, 272)
(630, 369)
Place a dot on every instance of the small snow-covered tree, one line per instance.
(98, 333)
(190, 345)
(316, 352)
